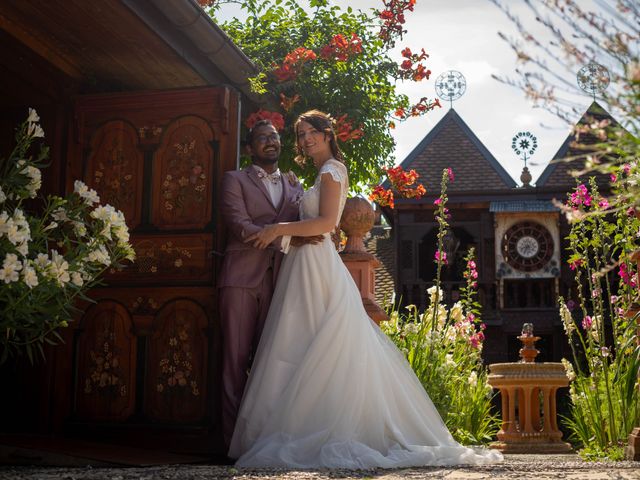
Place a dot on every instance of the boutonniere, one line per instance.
(291, 177)
(297, 198)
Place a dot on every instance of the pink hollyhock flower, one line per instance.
(441, 257)
(450, 174)
(575, 264)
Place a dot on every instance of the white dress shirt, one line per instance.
(275, 190)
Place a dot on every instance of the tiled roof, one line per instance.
(558, 172)
(380, 244)
(451, 143)
(523, 206)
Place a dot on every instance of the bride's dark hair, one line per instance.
(323, 123)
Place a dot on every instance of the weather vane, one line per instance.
(593, 78)
(525, 145)
(450, 85)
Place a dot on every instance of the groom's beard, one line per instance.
(265, 161)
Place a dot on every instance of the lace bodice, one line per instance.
(310, 204)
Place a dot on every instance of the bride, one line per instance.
(327, 387)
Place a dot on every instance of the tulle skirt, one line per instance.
(329, 389)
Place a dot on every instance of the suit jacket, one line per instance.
(246, 207)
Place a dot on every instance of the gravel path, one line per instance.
(515, 467)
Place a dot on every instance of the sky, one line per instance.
(462, 35)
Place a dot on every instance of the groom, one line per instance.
(251, 198)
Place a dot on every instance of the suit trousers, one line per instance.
(242, 314)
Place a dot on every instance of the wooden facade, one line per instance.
(490, 213)
(147, 113)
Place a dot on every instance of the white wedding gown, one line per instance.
(328, 388)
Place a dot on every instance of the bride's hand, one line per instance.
(264, 237)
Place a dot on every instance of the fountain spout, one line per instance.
(528, 352)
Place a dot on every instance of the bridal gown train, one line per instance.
(328, 388)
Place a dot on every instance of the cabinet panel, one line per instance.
(177, 364)
(182, 189)
(115, 169)
(105, 388)
(168, 259)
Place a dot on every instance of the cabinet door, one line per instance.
(106, 364)
(158, 157)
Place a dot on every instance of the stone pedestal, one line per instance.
(633, 445)
(362, 267)
(357, 219)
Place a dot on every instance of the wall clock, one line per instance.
(527, 246)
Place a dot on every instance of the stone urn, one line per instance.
(357, 219)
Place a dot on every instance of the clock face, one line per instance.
(527, 246)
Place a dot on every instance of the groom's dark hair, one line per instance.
(258, 124)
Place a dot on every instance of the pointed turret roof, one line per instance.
(451, 143)
(558, 172)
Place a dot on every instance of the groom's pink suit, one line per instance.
(247, 277)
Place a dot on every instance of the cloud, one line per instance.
(525, 121)
(476, 71)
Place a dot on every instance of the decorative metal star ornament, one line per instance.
(524, 144)
(593, 78)
(450, 85)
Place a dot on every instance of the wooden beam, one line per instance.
(43, 47)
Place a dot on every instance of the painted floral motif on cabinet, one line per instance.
(106, 363)
(177, 362)
(114, 169)
(184, 258)
(182, 175)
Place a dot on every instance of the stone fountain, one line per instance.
(528, 392)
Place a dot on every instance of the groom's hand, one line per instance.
(299, 241)
(264, 237)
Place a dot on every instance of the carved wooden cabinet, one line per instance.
(147, 351)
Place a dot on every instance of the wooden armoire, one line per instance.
(141, 364)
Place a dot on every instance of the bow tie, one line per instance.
(272, 177)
